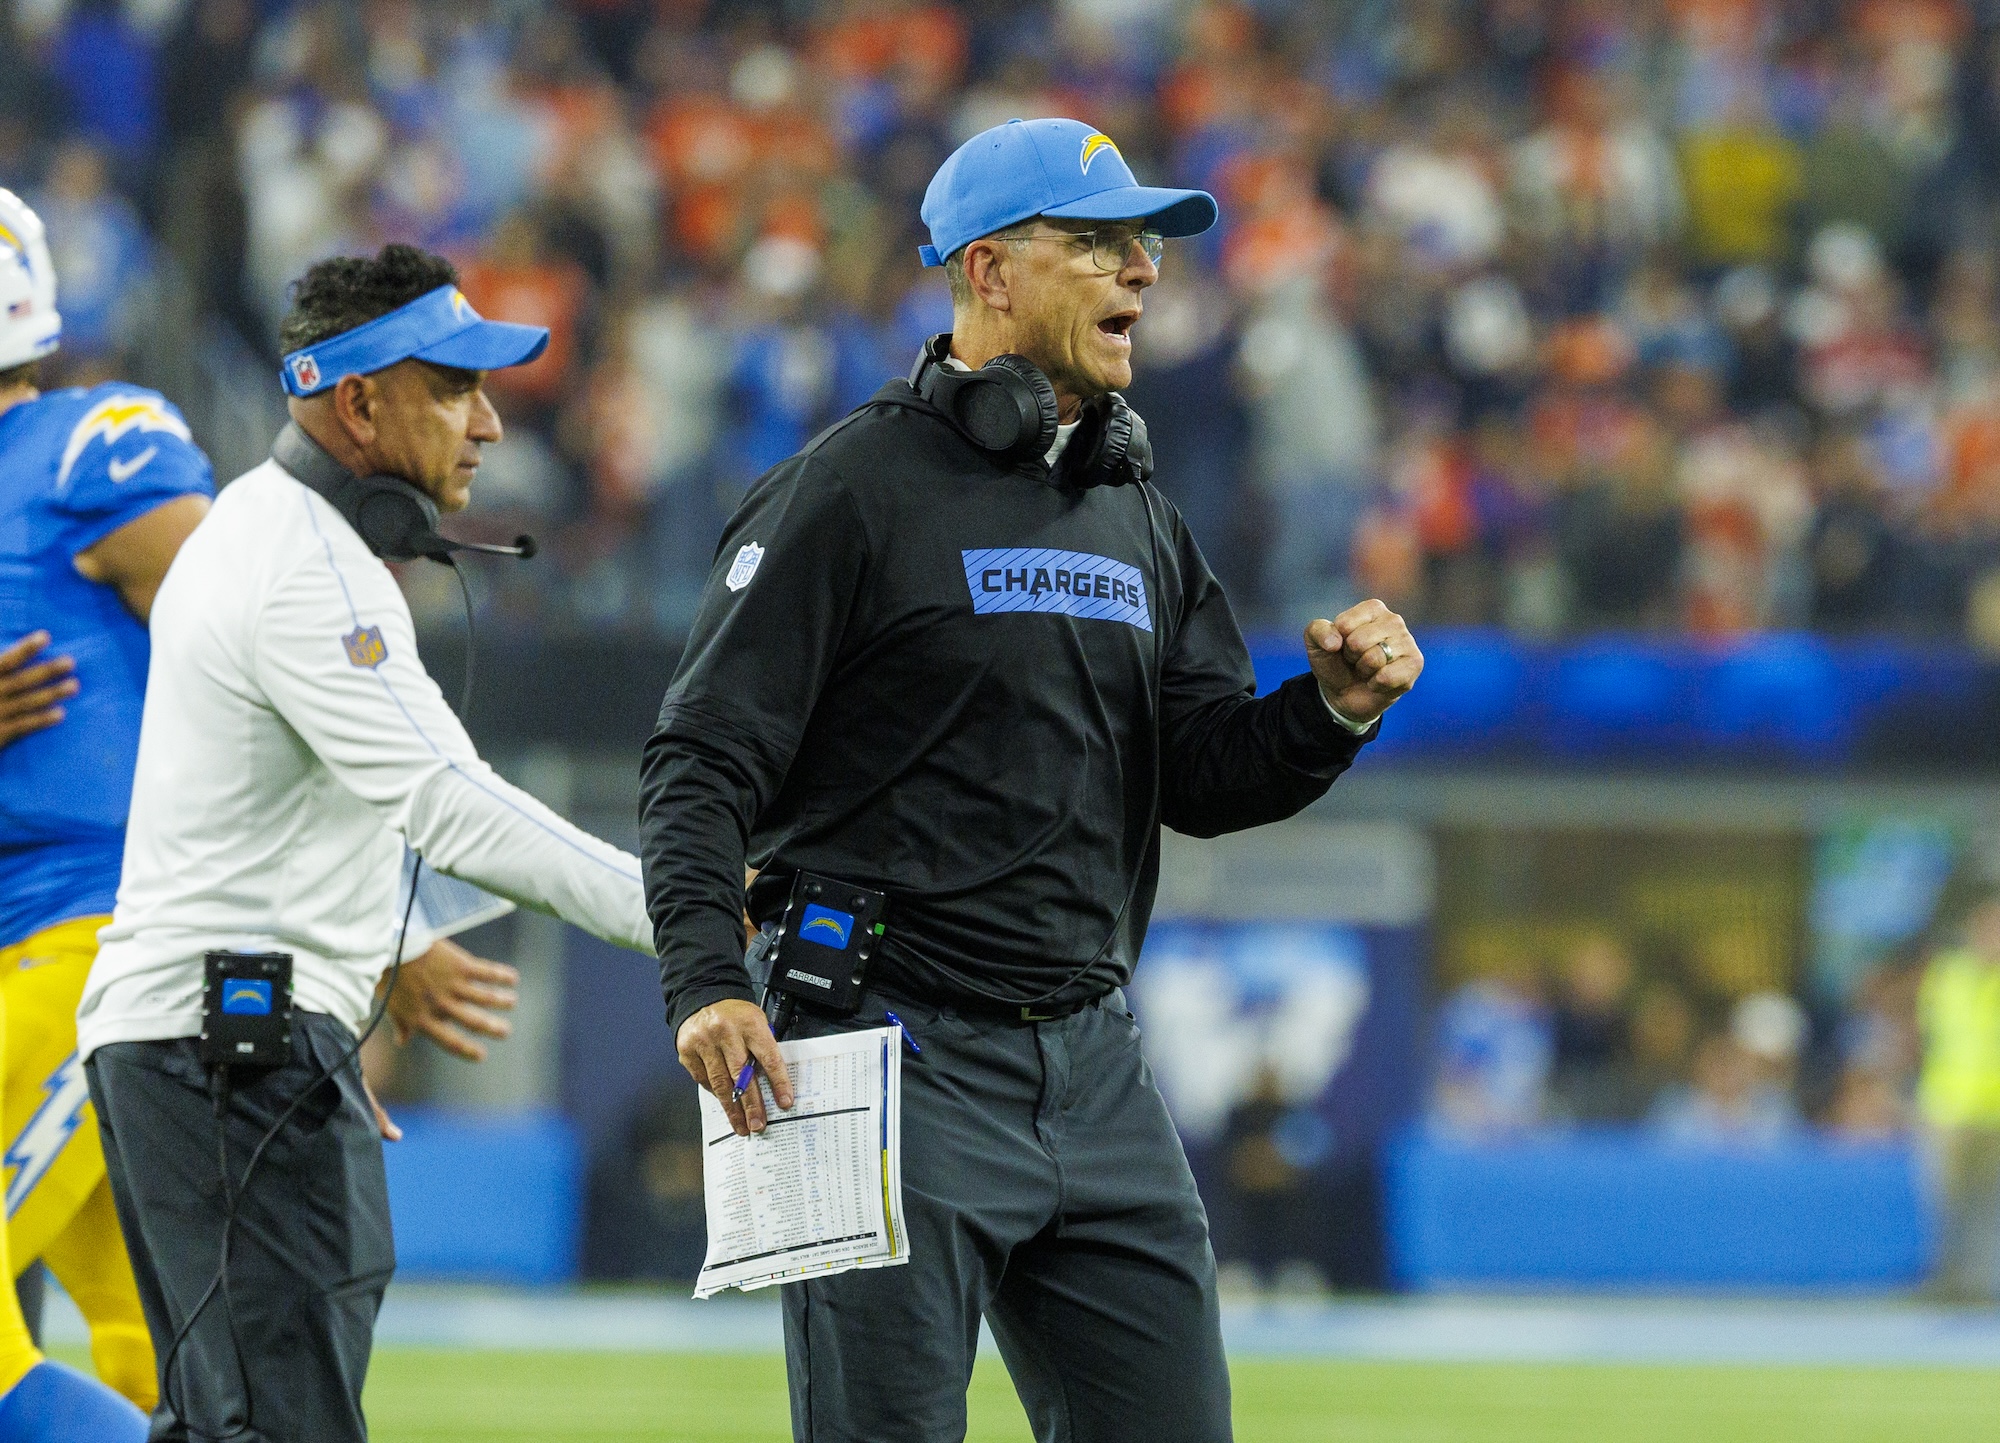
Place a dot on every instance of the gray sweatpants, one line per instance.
(310, 1254)
(1045, 1188)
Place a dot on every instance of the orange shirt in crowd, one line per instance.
(709, 152)
(1900, 22)
(539, 293)
(581, 116)
(871, 40)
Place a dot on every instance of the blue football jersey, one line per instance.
(75, 466)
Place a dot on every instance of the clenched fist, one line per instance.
(1365, 659)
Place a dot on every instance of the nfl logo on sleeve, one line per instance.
(305, 370)
(365, 647)
(745, 567)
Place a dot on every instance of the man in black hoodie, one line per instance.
(960, 652)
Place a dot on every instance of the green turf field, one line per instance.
(419, 1396)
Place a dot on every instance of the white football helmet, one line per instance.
(30, 326)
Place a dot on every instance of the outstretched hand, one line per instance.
(1365, 659)
(447, 994)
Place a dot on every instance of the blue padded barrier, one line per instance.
(1621, 1209)
(1785, 701)
(494, 1198)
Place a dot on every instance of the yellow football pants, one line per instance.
(59, 1205)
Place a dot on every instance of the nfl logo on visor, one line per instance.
(305, 370)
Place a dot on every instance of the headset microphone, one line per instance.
(395, 520)
(524, 547)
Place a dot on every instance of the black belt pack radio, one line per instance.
(830, 930)
(246, 1014)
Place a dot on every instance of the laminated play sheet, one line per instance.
(820, 1190)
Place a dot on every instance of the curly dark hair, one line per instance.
(348, 291)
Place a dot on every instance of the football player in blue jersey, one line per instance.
(98, 488)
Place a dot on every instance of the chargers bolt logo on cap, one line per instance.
(1050, 167)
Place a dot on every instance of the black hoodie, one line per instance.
(959, 681)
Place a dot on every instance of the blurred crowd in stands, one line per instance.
(1555, 314)
(1912, 1051)
(1601, 1040)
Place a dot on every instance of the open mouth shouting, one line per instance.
(1118, 326)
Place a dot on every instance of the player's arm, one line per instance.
(32, 687)
(135, 557)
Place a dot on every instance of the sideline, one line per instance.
(1431, 1329)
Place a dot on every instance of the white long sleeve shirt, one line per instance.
(291, 742)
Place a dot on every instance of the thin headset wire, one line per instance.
(233, 1200)
(233, 1197)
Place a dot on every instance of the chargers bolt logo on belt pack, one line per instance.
(826, 926)
(245, 997)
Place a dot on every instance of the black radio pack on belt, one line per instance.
(246, 1011)
(820, 955)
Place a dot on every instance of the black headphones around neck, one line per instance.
(394, 519)
(1008, 407)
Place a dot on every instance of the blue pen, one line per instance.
(743, 1079)
(914, 1049)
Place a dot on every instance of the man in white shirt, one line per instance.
(292, 742)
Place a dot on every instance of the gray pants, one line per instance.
(1045, 1188)
(310, 1254)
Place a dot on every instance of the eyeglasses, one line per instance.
(1109, 249)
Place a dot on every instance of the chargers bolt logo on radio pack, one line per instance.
(365, 647)
(826, 926)
(245, 997)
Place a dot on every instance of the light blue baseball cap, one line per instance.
(1061, 168)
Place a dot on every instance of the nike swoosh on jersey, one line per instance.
(122, 471)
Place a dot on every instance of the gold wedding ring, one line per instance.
(1388, 652)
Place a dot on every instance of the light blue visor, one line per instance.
(440, 327)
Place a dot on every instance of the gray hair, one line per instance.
(954, 264)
